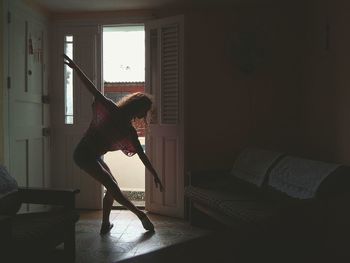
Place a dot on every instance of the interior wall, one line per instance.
(295, 100)
(327, 93)
(231, 105)
(1, 82)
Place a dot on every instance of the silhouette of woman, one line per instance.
(111, 130)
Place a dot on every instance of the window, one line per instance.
(68, 82)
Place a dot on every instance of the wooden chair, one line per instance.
(33, 235)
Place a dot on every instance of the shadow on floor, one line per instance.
(224, 248)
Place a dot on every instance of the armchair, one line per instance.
(33, 235)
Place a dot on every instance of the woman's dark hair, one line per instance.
(134, 102)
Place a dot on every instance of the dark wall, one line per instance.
(2, 65)
(327, 80)
(244, 82)
(297, 99)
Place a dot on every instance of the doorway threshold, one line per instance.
(136, 197)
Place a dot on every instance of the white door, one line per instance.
(165, 141)
(71, 109)
(27, 114)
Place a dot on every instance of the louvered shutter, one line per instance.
(170, 74)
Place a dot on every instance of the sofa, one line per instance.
(276, 200)
(32, 236)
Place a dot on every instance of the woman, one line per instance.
(111, 130)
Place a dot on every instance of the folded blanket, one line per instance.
(253, 164)
(299, 177)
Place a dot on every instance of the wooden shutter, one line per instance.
(170, 74)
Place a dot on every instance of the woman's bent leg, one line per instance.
(107, 204)
(107, 207)
(94, 167)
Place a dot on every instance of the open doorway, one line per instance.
(124, 73)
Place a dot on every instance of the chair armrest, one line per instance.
(198, 177)
(5, 237)
(33, 195)
(5, 230)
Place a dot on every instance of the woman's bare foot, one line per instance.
(105, 228)
(146, 223)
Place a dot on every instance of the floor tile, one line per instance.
(127, 238)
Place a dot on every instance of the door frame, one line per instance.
(139, 173)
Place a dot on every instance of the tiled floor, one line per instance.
(128, 238)
(174, 241)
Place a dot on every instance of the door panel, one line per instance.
(19, 171)
(170, 169)
(164, 144)
(36, 149)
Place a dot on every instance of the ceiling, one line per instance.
(119, 5)
(102, 5)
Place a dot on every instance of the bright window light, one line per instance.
(68, 82)
(124, 53)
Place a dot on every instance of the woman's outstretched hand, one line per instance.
(149, 166)
(158, 183)
(70, 63)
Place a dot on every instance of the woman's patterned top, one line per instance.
(110, 131)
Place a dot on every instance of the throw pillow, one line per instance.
(9, 197)
(253, 164)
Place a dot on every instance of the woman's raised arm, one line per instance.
(88, 83)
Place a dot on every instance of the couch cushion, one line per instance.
(251, 212)
(212, 197)
(242, 206)
(9, 198)
(337, 183)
